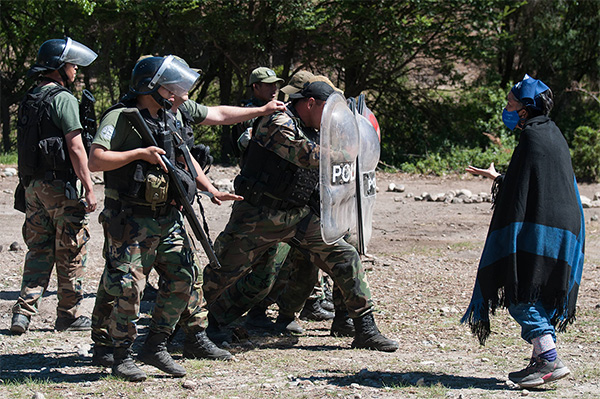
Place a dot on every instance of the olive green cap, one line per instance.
(297, 82)
(263, 75)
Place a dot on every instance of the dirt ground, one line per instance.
(422, 270)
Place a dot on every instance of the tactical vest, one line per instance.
(187, 132)
(139, 182)
(268, 180)
(41, 145)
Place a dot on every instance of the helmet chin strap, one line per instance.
(163, 102)
(63, 75)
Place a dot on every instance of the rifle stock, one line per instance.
(138, 122)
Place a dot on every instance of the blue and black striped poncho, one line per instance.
(535, 245)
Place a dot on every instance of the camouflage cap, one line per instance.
(323, 78)
(263, 75)
(297, 82)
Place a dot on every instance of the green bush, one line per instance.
(586, 153)
(8, 158)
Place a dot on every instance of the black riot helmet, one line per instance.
(55, 53)
(150, 73)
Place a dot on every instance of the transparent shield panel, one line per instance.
(368, 159)
(339, 149)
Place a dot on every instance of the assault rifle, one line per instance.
(138, 122)
(87, 117)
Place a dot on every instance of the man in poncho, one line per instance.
(533, 255)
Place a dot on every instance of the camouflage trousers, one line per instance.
(305, 281)
(252, 231)
(55, 232)
(193, 318)
(297, 281)
(130, 252)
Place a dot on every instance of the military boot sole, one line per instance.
(133, 377)
(191, 354)
(376, 343)
(172, 369)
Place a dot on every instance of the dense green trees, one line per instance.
(435, 72)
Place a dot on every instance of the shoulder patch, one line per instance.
(107, 132)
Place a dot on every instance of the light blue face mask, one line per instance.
(510, 118)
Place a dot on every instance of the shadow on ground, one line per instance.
(377, 379)
(19, 368)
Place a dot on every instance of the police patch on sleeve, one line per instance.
(107, 132)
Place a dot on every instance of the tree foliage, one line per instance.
(435, 72)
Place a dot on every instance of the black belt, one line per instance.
(51, 175)
(136, 209)
(275, 203)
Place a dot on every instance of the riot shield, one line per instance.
(366, 186)
(361, 108)
(339, 149)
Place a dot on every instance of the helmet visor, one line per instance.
(76, 53)
(175, 76)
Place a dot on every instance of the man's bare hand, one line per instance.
(490, 172)
(273, 106)
(219, 196)
(152, 155)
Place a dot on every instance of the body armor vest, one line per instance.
(187, 132)
(136, 181)
(41, 144)
(269, 180)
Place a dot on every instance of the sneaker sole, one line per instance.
(17, 330)
(554, 376)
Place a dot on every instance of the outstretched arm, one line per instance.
(229, 115)
(203, 183)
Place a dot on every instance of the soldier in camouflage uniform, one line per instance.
(52, 157)
(139, 238)
(285, 277)
(142, 228)
(278, 180)
(264, 84)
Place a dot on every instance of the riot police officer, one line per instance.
(52, 159)
(193, 319)
(142, 227)
(278, 180)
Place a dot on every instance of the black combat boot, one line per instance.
(313, 311)
(124, 367)
(154, 352)
(103, 355)
(327, 305)
(199, 346)
(216, 333)
(288, 325)
(368, 336)
(257, 318)
(342, 325)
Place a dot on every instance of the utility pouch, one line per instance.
(164, 139)
(139, 179)
(20, 204)
(52, 150)
(187, 181)
(70, 191)
(157, 187)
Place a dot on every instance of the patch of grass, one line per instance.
(9, 158)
